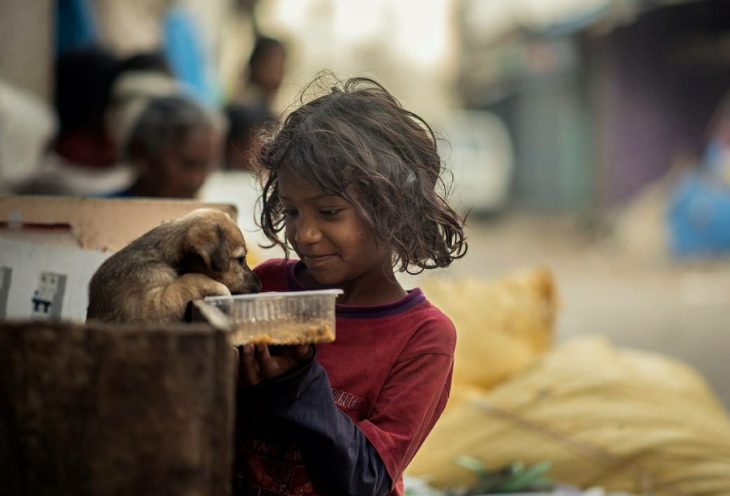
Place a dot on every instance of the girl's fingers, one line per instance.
(269, 366)
(263, 352)
(303, 351)
(258, 364)
(249, 369)
(236, 361)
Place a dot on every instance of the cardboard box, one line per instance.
(51, 246)
(95, 409)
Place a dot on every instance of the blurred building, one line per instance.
(584, 101)
(601, 96)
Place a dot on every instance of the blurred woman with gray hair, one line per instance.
(173, 145)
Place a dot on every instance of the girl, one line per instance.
(352, 179)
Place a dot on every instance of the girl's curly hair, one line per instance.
(357, 141)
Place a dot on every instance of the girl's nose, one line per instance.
(307, 231)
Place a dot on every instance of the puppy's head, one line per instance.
(213, 245)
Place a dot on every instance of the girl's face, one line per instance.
(336, 246)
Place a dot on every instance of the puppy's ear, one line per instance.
(209, 243)
(220, 258)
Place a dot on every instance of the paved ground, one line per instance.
(647, 303)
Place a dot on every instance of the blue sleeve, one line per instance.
(338, 455)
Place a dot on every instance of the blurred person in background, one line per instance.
(173, 145)
(138, 79)
(264, 72)
(148, 61)
(97, 97)
(699, 203)
(81, 158)
(244, 122)
(83, 84)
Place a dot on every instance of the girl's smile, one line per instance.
(316, 260)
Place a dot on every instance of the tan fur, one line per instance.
(154, 278)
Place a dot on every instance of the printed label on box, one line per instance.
(48, 298)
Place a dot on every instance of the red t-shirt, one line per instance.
(389, 368)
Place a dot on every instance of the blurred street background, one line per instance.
(591, 137)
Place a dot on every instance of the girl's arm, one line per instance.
(337, 453)
(367, 457)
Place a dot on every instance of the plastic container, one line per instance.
(290, 318)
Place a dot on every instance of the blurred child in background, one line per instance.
(244, 122)
(264, 72)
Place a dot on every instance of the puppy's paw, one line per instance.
(170, 303)
(195, 286)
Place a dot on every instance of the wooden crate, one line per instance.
(102, 410)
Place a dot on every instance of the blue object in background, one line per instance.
(699, 217)
(76, 25)
(186, 54)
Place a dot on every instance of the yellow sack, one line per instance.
(624, 420)
(501, 326)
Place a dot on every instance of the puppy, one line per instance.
(152, 279)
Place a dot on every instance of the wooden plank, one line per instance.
(103, 224)
(102, 410)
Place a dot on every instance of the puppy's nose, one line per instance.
(256, 286)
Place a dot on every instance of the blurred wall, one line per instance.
(135, 25)
(131, 25)
(225, 27)
(410, 46)
(599, 106)
(26, 45)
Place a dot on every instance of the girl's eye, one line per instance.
(330, 212)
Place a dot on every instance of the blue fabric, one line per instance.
(76, 25)
(186, 54)
(699, 217)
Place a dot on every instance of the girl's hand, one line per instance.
(256, 363)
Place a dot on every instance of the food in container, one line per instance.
(278, 318)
